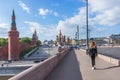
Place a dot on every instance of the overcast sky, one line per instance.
(49, 16)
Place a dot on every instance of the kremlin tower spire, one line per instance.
(13, 24)
(13, 41)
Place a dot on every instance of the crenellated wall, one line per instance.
(42, 70)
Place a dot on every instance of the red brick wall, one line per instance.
(4, 52)
(24, 46)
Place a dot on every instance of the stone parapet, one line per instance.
(109, 59)
(41, 70)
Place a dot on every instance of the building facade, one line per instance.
(114, 39)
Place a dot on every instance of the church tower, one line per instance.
(13, 41)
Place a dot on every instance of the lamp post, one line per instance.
(87, 44)
(78, 36)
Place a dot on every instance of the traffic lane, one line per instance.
(110, 51)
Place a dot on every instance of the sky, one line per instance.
(48, 17)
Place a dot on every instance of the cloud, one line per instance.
(102, 13)
(69, 25)
(107, 12)
(4, 27)
(45, 12)
(105, 18)
(24, 6)
(56, 14)
(47, 31)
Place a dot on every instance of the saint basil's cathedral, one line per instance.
(61, 39)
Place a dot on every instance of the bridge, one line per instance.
(72, 65)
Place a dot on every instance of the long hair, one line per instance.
(92, 44)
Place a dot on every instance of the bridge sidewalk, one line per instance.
(77, 66)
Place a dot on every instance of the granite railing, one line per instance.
(41, 70)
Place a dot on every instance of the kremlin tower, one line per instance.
(13, 41)
(34, 38)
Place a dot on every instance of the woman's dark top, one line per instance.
(93, 51)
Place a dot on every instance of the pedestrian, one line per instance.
(2, 64)
(93, 53)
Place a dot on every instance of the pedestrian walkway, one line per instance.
(77, 66)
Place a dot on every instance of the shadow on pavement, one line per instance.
(67, 69)
(107, 68)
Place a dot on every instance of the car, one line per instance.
(36, 61)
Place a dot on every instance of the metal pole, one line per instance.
(78, 34)
(87, 44)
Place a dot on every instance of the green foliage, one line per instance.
(29, 40)
(25, 40)
(38, 42)
(3, 41)
(27, 51)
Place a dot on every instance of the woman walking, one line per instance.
(93, 53)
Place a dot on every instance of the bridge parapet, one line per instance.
(41, 70)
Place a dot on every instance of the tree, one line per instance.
(25, 40)
(38, 42)
(3, 41)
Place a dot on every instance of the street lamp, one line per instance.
(87, 44)
(78, 34)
